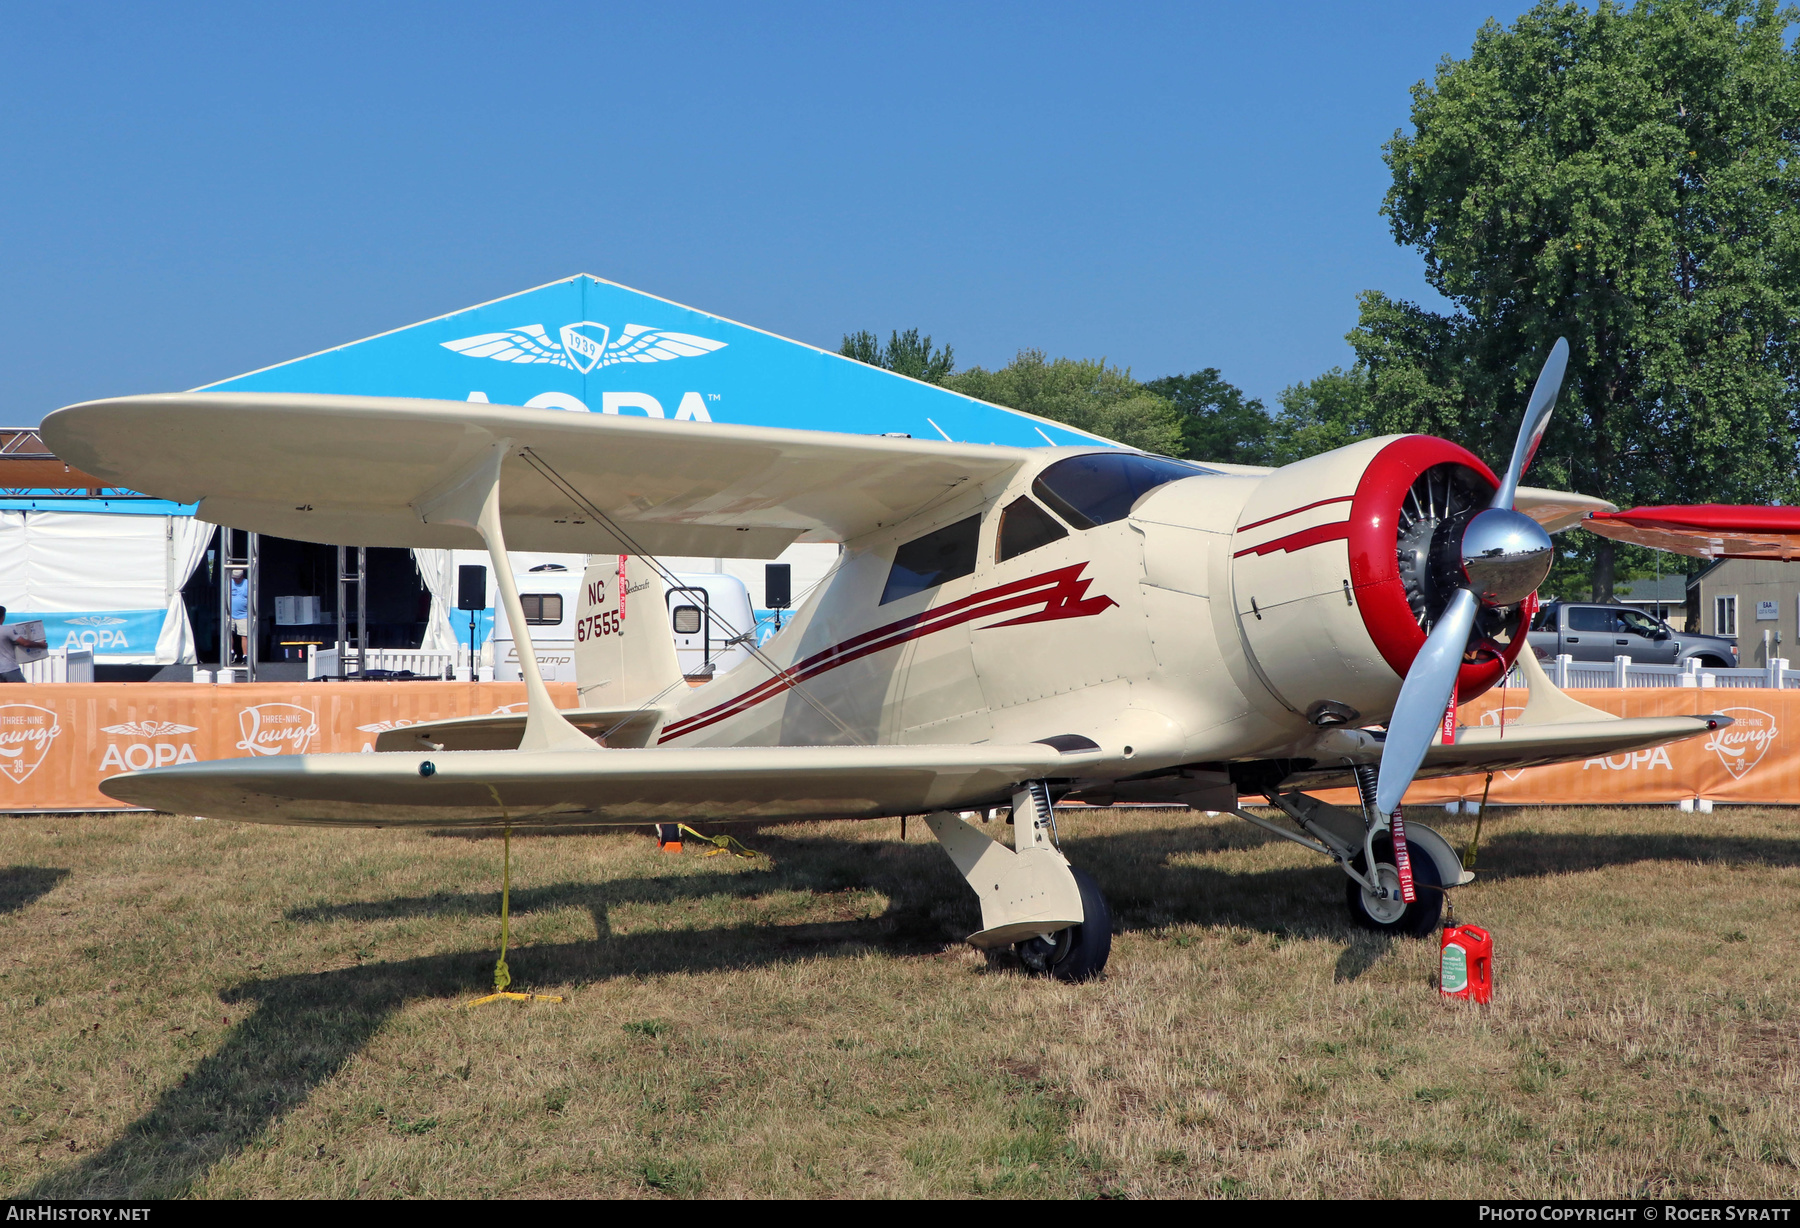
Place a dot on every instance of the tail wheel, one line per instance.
(1393, 915)
(1079, 952)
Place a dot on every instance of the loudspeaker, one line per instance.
(471, 587)
(778, 586)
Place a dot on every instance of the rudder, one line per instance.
(624, 653)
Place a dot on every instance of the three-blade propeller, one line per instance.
(1505, 556)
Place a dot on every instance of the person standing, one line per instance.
(240, 610)
(11, 640)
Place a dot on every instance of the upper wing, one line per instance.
(349, 470)
(764, 784)
(1557, 510)
(1707, 531)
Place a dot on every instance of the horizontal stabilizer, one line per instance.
(502, 730)
(758, 784)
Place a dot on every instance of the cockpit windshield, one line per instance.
(1102, 487)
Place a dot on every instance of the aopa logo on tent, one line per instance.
(99, 640)
(585, 345)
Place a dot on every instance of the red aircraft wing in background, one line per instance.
(1706, 530)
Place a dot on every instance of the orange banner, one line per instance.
(1752, 761)
(59, 741)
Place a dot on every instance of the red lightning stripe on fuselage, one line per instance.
(1055, 594)
(1301, 540)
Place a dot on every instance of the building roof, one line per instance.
(1668, 588)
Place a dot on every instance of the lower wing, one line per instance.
(757, 784)
(1554, 728)
(1486, 748)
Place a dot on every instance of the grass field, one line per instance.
(205, 1009)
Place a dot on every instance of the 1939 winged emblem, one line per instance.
(584, 345)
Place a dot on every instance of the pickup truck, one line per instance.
(1602, 632)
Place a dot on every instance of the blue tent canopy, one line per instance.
(589, 345)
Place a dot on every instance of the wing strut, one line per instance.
(472, 500)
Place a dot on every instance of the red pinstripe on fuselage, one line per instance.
(1058, 594)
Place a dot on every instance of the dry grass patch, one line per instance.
(197, 1008)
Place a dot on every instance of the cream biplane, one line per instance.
(1006, 628)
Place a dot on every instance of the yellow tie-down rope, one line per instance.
(721, 843)
(502, 974)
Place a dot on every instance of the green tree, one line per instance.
(1326, 412)
(1626, 178)
(1218, 422)
(1088, 395)
(906, 353)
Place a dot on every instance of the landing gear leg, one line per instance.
(1384, 910)
(1363, 845)
(1032, 899)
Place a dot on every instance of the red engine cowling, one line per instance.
(1342, 562)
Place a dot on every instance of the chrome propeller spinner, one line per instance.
(1505, 555)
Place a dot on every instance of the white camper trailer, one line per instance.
(712, 622)
(549, 594)
(708, 613)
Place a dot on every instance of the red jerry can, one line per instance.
(1466, 963)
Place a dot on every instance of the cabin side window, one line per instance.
(1102, 487)
(1025, 526)
(542, 609)
(926, 562)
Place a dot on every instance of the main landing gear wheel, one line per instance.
(1394, 915)
(1079, 952)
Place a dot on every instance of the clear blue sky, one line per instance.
(193, 192)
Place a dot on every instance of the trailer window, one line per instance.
(687, 619)
(1102, 487)
(1026, 526)
(928, 561)
(542, 609)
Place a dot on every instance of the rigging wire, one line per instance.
(668, 577)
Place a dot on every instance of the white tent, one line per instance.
(103, 581)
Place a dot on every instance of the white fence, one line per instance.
(61, 666)
(1570, 674)
(323, 662)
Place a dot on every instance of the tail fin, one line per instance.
(624, 653)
